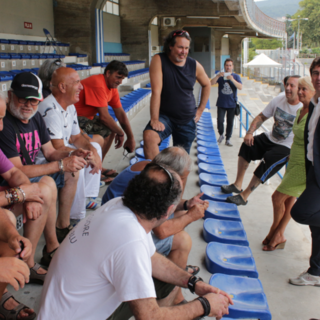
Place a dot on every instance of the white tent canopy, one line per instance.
(262, 61)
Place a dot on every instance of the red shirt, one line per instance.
(96, 94)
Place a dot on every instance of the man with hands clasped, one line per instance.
(229, 83)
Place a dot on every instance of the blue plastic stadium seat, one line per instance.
(211, 168)
(210, 159)
(135, 160)
(224, 231)
(209, 151)
(222, 211)
(140, 153)
(250, 301)
(230, 259)
(205, 127)
(208, 138)
(206, 115)
(213, 179)
(213, 193)
(206, 132)
(207, 144)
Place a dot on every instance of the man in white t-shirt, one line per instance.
(272, 148)
(115, 261)
(61, 120)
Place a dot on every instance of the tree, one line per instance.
(266, 43)
(310, 29)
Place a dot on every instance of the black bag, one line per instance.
(237, 109)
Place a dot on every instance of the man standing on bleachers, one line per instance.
(99, 92)
(173, 107)
(228, 83)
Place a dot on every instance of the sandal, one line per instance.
(194, 268)
(109, 173)
(36, 277)
(266, 241)
(13, 313)
(280, 245)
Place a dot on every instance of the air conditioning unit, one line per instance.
(155, 48)
(169, 21)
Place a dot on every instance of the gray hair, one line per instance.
(176, 158)
(46, 70)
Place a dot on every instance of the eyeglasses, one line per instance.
(180, 33)
(58, 62)
(33, 102)
(166, 171)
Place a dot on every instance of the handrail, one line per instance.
(261, 21)
(246, 125)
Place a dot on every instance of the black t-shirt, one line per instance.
(34, 134)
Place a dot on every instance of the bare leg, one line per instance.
(254, 183)
(179, 253)
(151, 144)
(242, 168)
(51, 204)
(278, 235)
(66, 196)
(107, 144)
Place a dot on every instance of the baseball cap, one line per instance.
(27, 85)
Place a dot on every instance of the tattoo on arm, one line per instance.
(257, 122)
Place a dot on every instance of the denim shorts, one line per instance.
(57, 177)
(182, 134)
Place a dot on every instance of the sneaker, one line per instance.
(62, 233)
(220, 139)
(306, 279)
(228, 143)
(47, 256)
(231, 188)
(93, 203)
(238, 200)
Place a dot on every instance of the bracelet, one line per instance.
(192, 283)
(61, 166)
(206, 306)
(185, 207)
(12, 195)
(23, 194)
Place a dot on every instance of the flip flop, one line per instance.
(109, 173)
(106, 179)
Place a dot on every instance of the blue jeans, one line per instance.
(182, 134)
(57, 177)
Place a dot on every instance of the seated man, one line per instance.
(170, 238)
(13, 269)
(99, 92)
(272, 148)
(38, 209)
(60, 117)
(116, 259)
(23, 147)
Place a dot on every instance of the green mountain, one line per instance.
(277, 9)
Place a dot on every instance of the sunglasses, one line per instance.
(165, 170)
(58, 62)
(180, 33)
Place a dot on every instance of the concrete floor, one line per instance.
(286, 302)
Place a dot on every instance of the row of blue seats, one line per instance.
(31, 43)
(228, 256)
(116, 54)
(130, 100)
(104, 64)
(138, 72)
(199, 99)
(15, 56)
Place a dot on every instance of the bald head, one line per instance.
(66, 86)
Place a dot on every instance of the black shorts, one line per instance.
(273, 156)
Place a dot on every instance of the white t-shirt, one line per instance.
(105, 260)
(61, 124)
(284, 115)
(312, 127)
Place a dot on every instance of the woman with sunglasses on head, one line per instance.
(294, 180)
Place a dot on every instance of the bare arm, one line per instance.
(206, 87)
(155, 72)
(175, 225)
(215, 79)
(236, 83)
(255, 124)
(108, 121)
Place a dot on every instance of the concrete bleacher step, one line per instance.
(224, 231)
(109, 56)
(230, 259)
(249, 299)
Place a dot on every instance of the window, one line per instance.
(155, 21)
(112, 7)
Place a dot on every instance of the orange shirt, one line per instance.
(96, 94)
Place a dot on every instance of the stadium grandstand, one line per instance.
(87, 35)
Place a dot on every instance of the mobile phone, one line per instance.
(22, 247)
(127, 149)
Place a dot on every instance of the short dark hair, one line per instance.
(315, 63)
(228, 60)
(116, 65)
(285, 80)
(148, 196)
(170, 40)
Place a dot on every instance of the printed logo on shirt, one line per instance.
(32, 143)
(226, 89)
(283, 123)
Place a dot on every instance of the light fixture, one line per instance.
(202, 17)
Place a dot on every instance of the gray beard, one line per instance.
(16, 112)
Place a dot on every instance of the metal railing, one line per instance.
(265, 23)
(246, 125)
